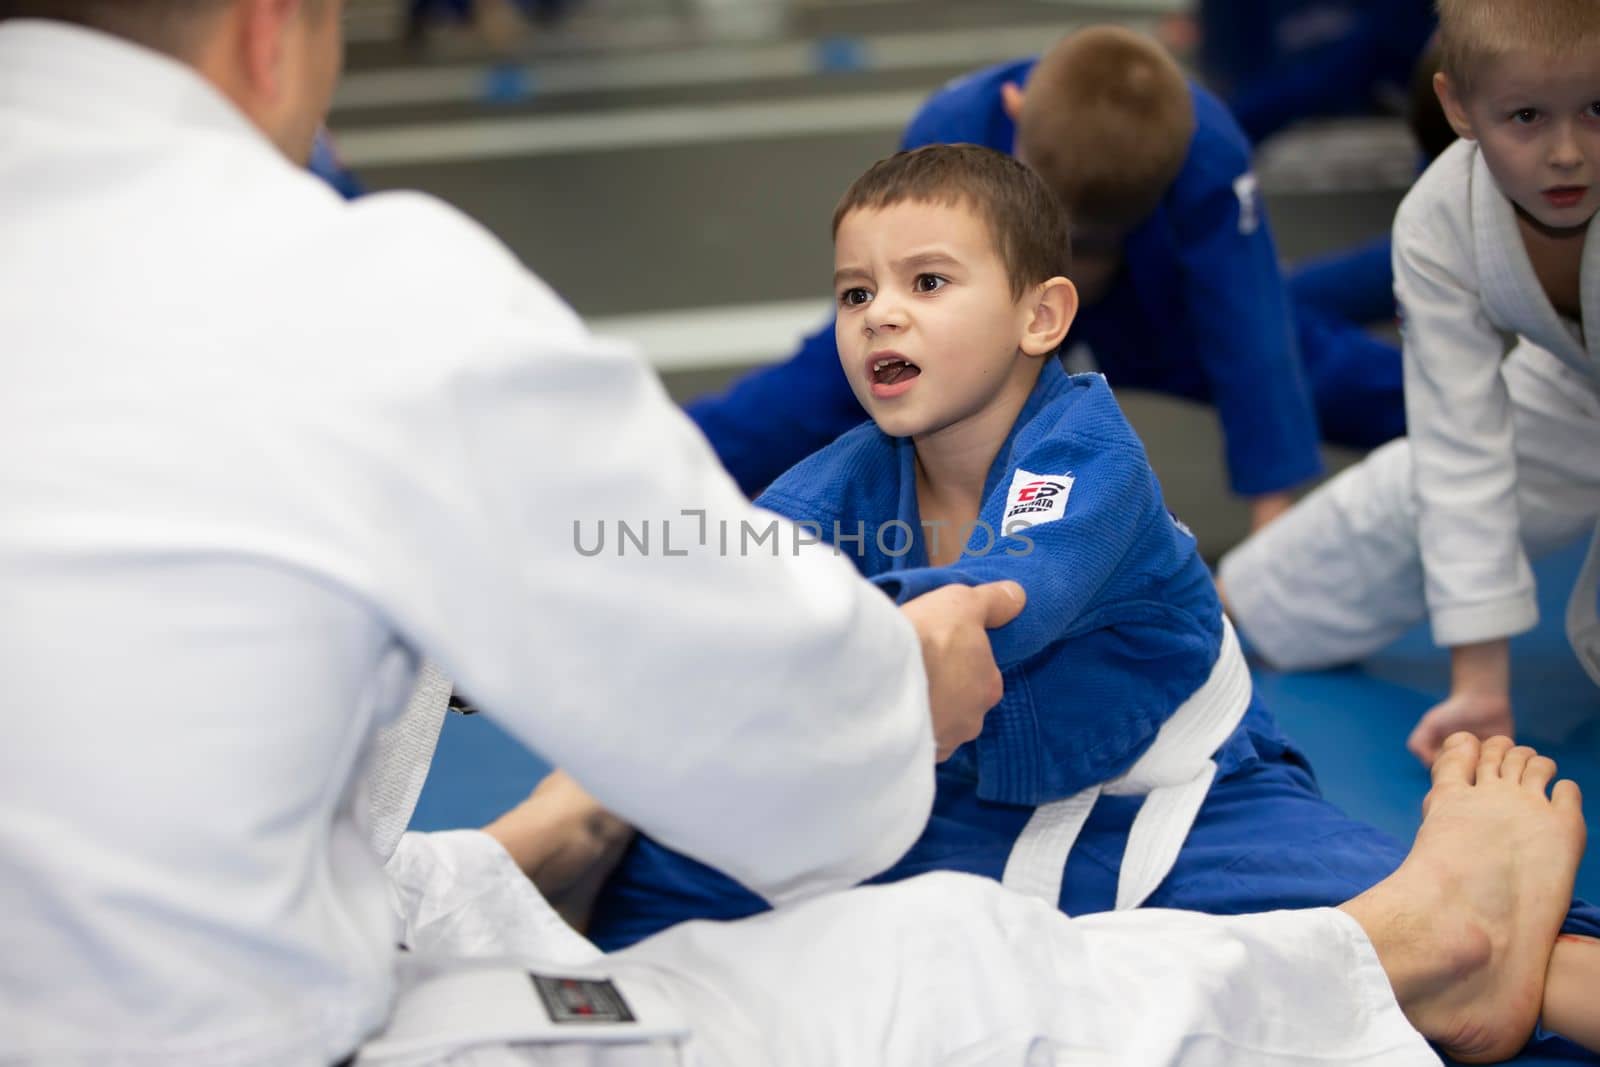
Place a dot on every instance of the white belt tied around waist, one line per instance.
(1174, 775)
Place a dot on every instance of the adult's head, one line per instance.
(277, 60)
(1105, 119)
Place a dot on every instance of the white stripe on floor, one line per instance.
(508, 138)
(716, 337)
(710, 65)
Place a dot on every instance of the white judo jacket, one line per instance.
(258, 449)
(1463, 280)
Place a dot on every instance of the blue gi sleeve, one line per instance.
(1235, 300)
(1065, 563)
(774, 417)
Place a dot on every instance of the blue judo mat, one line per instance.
(1352, 722)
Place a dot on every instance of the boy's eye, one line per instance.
(1594, 110)
(1525, 115)
(854, 297)
(929, 283)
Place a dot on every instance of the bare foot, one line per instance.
(1464, 928)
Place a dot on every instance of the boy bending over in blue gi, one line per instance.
(1175, 265)
(1127, 763)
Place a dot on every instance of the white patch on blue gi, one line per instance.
(1036, 498)
(1246, 188)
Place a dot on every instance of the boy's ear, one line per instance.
(1011, 100)
(1054, 308)
(1455, 112)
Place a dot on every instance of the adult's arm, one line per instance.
(753, 704)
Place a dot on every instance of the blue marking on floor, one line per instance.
(842, 55)
(507, 83)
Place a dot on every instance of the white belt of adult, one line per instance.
(1174, 775)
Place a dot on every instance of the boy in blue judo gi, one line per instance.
(1128, 763)
(1175, 264)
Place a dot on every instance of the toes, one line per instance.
(1539, 773)
(1457, 760)
(1491, 756)
(1516, 762)
(1567, 796)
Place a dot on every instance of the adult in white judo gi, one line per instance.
(1499, 238)
(251, 469)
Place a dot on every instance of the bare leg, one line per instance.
(1466, 926)
(565, 842)
(1572, 986)
(1572, 991)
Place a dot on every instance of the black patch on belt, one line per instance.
(581, 1000)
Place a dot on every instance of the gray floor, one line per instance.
(630, 222)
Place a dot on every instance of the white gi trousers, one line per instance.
(945, 970)
(1340, 576)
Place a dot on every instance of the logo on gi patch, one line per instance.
(1246, 188)
(581, 1000)
(1036, 498)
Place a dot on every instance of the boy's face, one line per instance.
(1537, 121)
(928, 328)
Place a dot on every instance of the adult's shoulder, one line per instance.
(969, 109)
(429, 269)
(402, 294)
(431, 243)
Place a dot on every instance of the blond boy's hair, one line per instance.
(1474, 32)
(1028, 224)
(1106, 121)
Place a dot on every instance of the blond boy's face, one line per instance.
(1537, 121)
(928, 328)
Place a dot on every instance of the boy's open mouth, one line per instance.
(891, 369)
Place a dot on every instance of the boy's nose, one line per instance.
(885, 315)
(1565, 151)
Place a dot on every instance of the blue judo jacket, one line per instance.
(1122, 622)
(1199, 311)
(1122, 625)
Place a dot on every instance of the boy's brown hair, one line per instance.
(1106, 121)
(1028, 224)
(1475, 32)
